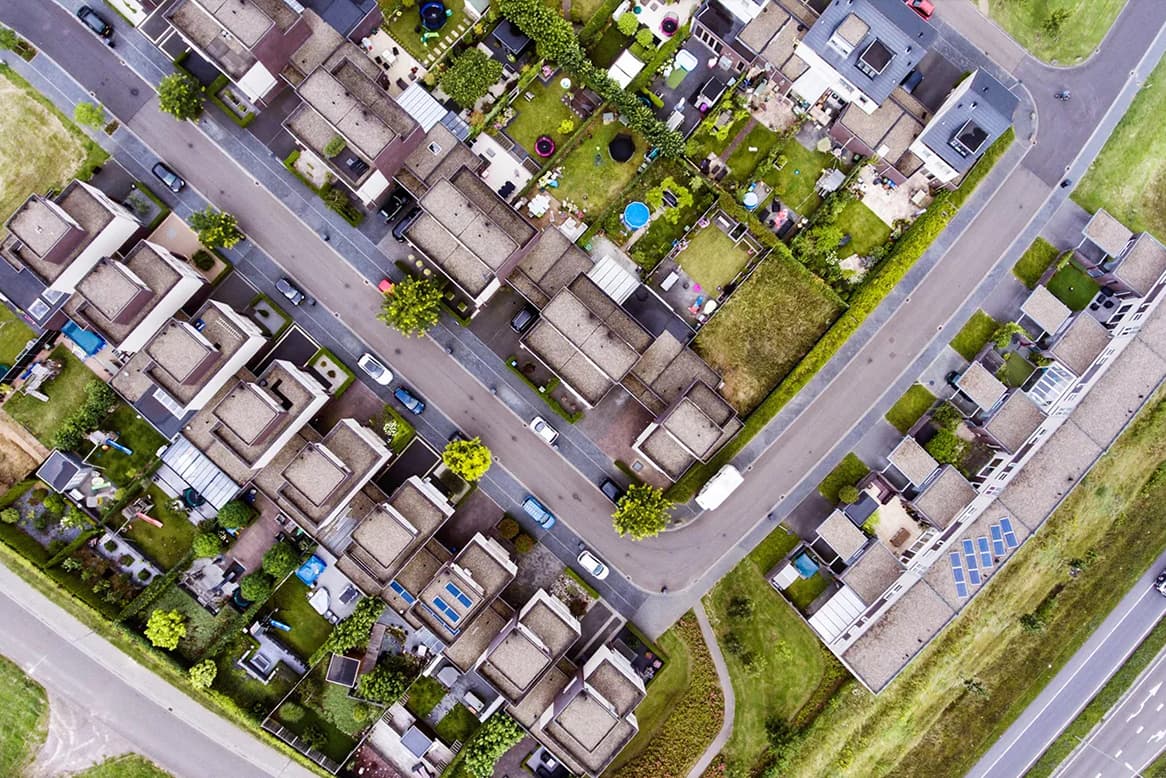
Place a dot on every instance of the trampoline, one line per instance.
(622, 147)
(309, 571)
(669, 25)
(544, 146)
(636, 215)
(433, 15)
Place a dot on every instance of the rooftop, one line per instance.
(757, 33)
(1045, 310)
(1107, 233)
(249, 20)
(841, 535)
(47, 235)
(543, 694)
(888, 130)
(1143, 264)
(469, 645)
(912, 460)
(980, 386)
(873, 573)
(464, 585)
(1014, 421)
(231, 53)
(552, 263)
(668, 369)
(543, 632)
(439, 157)
(943, 498)
(970, 120)
(1081, 343)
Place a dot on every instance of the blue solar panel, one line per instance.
(970, 557)
(985, 554)
(452, 589)
(997, 540)
(451, 614)
(957, 574)
(961, 590)
(440, 603)
(401, 590)
(1009, 535)
(974, 577)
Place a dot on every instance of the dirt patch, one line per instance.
(20, 452)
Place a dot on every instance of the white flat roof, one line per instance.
(837, 614)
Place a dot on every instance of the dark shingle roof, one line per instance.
(980, 116)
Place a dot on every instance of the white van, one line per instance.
(719, 487)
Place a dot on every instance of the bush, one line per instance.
(165, 628)
(280, 560)
(508, 528)
(469, 76)
(848, 494)
(740, 608)
(255, 587)
(143, 575)
(291, 713)
(644, 37)
(235, 515)
(494, 738)
(181, 96)
(125, 560)
(524, 544)
(10, 515)
(627, 23)
(353, 631)
(202, 675)
(207, 544)
(203, 260)
(333, 147)
(110, 545)
(386, 682)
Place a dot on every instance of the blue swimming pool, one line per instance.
(89, 342)
(805, 566)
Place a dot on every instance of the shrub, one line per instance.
(255, 587)
(143, 574)
(508, 528)
(10, 515)
(627, 23)
(207, 544)
(110, 545)
(202, 675)
(280, 560)
(333, 147)
(740, 608)
(386, 682)
(55, 503)
(203, 260)
(125, 560)
(235, 515)
(567, 126)
(99, 399)
(291, 713)
(848, 494)
(645, 38)
(524, 544)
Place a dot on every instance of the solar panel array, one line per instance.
(980, 554)
(401, 590)
(457, 593)
(957, 574)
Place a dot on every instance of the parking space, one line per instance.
(492, 324)
(296, 346)
(613, 426)
(477, 513)
(416, 460)
(358, 401)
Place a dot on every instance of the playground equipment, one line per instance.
(112, 443)
(279, 625)
(148, 519)
(544, 146)
(434, 15)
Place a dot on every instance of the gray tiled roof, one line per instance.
(983, 112)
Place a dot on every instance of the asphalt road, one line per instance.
(121, 695)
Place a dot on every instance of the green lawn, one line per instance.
(14, 334)
(165, 545)
(1078, 36)
(1035, 261)
(136, 434)
(459, 725)
(713, 259)
(848, 472)
(24, 718)
(126, 766)
(1073, 287)
(790, 666)
(403, 30)
(65, 392)
(867, 231)
(753, 148)
(910, 408)
(424, 695)
(540, 116)
(249, 694)
(765, 328)
(804, 591)
(974, 335)
(1016, 370)
(309, 628)
(607, 49)
(591, 178)
(201, 627)
(794, 183)
(704, 142)
(1128, 178)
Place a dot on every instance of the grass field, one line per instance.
(540, 116)
(591, 178)
(974, 335)
(1035, 261)
(309, 628)
(713, 259)
(424, 695)
(41, 148)
(1016, 370)
(1079, 35)
(607, 49)
(1073, 287)
(136, 434)
(14, 333)
(65, 393)
(847, 473)
(927, 722)
(791, 663)
(24, 718)
(168, 544)
(1128, 178)
(127, 766)
(910, 408)
(867, 231)
(201, 627)
(765, 328)
(753, 148)
(457, 725)
(794, 183)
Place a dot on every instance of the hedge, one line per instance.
(68, 550)
(906, 252)
(214, 89)
(598, 22)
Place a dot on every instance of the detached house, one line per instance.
(973, 116)
(463, 587)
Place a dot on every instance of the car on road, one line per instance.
(397, 201)
(591, 564)
(923, 8)
(537, 511)
(376, 371)
(1160, 583)
(405, 223)
(611, 490)
(539, 426)
(167, 176)
(412, 402)
(290, 291)
(524, 319)
(94, 21)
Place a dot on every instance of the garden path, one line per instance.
(738, 140)
(710, 638)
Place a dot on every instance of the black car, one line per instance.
(93, 21)
(405, 223)
(611, 490)
(168, 177)
(290, 291)
(356, 165)
(523, 320)
(398, 199)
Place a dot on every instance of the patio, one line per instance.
(893, 204)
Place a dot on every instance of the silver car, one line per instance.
(539, 426)
(375, 370)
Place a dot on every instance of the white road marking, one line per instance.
(1153, 690)
(1157, 736)
(1138, 731)
(1115, 756)
(1160, 706)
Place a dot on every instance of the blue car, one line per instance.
(537, 511)
(413, 404)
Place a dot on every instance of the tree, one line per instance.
(946, 447)
(642, 512)
(202, 675)
(470, 76)
(627, 23)
(181, 96)
(352, 631)
(1002, 337)
(255, 587)
(165, 628)
(334, 147)
(740, 608)
(848, 494)
(386, 682)
(413, 307)
(494, 738)
(54, 504)
(645, 38)
(235, 515)
(683, 195)
(207, 544)
(567, 126)
(215, 228)
(280, 560)
(10, 515)
(469, 459)
(88, 114)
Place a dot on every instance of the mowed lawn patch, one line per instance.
(848, 472)
(1072, 286)
(910, 408)
(1035, 261)
(927, 722)
(24, 718)
(794, 183)
(1079, 34)
(713, 259)
(867, 231)
(765, 328)
(309, 629)
(136, 434)
(168, 544)
(591, 178)
(974, 335)
(40, 149)
(14, 333)
(789, 662)
(66, 393)
(540, 115)
(754, 147)
(1128, 178)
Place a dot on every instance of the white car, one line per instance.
(376, 371)
(539, 426)
(591, 564)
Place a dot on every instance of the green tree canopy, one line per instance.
(655, 198)
(165, 628)
(216, 228)
(470, 76)
(280, 560)
(255, 587)
(644, 37)
(88, 114)
(494, 738)
(10, 515)
(386, 682)
(181, 96)
(1002, 337)
(642, 512)
(469, 459)
(207, 544)
(413, 307)
(353, 631)
(202, 675)
(235, 515)
(627, 23)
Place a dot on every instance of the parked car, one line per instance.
(1160, 583)
(397, 201)
(167, 176)
(539, 426)
(591, 564)
(94, 21)
(356, 165)
(537, 511)
(290, 291)
(412, 403)
(405, 223)
(376, 371)
(924, 8)
(524, 319)
(611, 490)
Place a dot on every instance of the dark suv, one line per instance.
(93, 21)
(397, 201)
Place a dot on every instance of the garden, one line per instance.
(166, 545)
(66, 393)
(974, 335)
(14, 335)
(136, 434)
(590, 177)
(713, 259)
(324, 714)
(1057, 31)
(910, 408)
(1036, 260)
(457, 726)
(1072, 286)
(202, 627)
(846, 473)
(309, 629)
(403, 23)
(543, 114)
